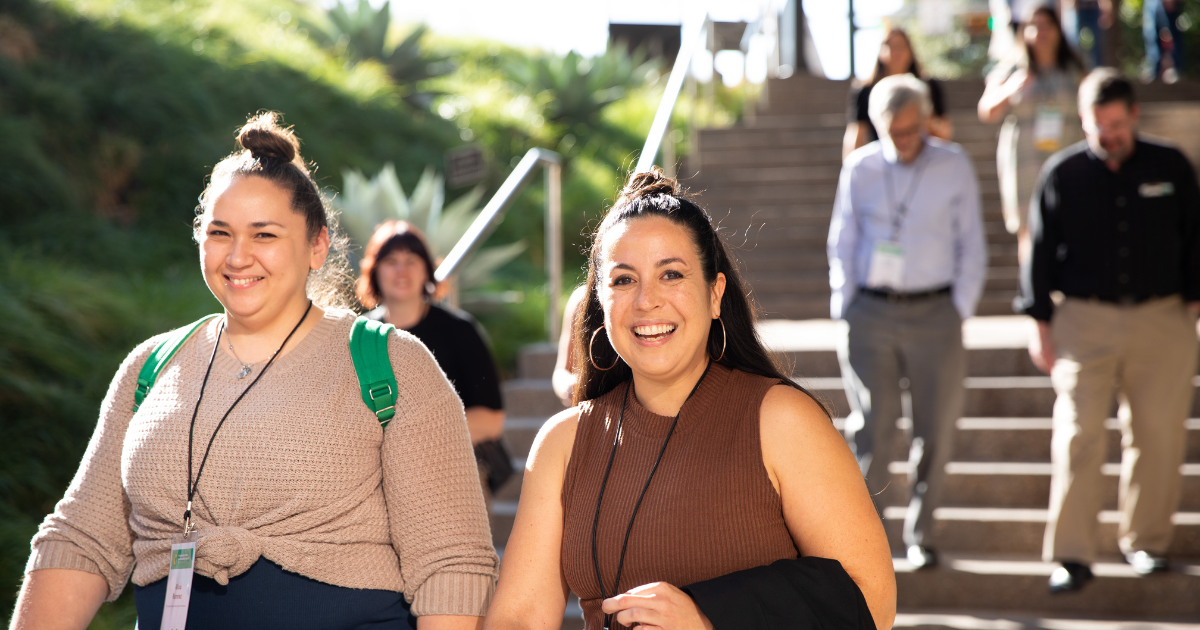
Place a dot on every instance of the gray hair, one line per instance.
(891, 95)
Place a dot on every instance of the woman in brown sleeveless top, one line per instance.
(689, 455)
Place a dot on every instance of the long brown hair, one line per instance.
(1022, 56)
(654, 194)
(881, 71)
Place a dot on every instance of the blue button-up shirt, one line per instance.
(941, 233)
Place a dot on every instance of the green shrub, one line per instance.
(125, 106)
(64, 333)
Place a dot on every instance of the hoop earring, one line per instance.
(724, 338)
(592, 343)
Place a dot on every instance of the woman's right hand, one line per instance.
(656, 605)
(58, 599)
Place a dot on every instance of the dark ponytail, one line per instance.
(654, 194)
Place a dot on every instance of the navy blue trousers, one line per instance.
(267, 597)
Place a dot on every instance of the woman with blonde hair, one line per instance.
(253, 444)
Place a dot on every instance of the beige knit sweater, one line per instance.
(300, 474)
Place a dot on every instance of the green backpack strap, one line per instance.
(369, 350)
(161, 355)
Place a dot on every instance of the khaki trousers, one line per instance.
(1146, 354)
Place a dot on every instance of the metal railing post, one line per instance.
(493, 213)
(668, 154)
(554, 256)
(662, 117)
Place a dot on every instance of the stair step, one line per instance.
(770, 175)
(1020, 530)
(1006, 396)
(1025, 440)
(1010, 582)
(503, 513)
(1017, 485)
(530, 397)
(519, 433)
(536, 360)
(815, 306)
(1028, 440)
(724, 158)
(945, 619)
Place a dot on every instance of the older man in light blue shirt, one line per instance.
(907, 262)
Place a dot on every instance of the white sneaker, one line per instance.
(1144, 563)
(922, 557)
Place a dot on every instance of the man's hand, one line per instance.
(657, 605)
(1041, 347)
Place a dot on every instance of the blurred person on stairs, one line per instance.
(1114, 285)
(907, 261)
(895, 57)
(1033, 92)
(397, 283)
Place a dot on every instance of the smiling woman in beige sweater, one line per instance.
(308, 514)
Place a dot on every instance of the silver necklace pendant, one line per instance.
(244, 371)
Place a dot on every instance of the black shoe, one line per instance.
(922, 557)
(1071, 576)
(1145, 563)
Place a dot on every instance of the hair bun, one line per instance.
(263, 137)
(650, 183)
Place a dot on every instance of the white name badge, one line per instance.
(1159, 189)
(179, 582)
(887, 265)
(1048, 130)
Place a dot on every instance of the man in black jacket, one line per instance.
(1115, 223)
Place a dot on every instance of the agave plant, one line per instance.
(367, 202)
(575, 89)
(362, 34)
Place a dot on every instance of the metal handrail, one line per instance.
(662, 117)
(493, 213)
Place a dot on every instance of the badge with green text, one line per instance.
(179, 582)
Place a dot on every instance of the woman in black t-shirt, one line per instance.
(895, 57)
(397, 282)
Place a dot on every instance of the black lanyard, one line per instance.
(611, 456)
(902, 206)
(192, 485)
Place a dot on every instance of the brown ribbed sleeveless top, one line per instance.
(710, 509)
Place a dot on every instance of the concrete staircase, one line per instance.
(993, 515)
(771, 183)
